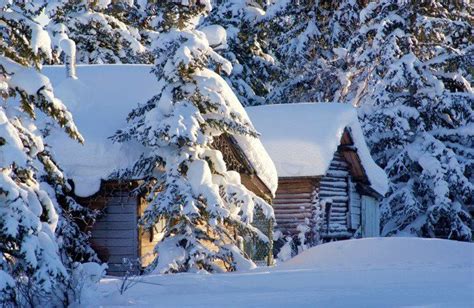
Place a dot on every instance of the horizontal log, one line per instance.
(338, 214)
(286, 224)
(337, 173)
(279, 203)
(294, 195)
(298, 179)
(329, 184)
(340, 199)
(331, 189)
(295, 190)
(300, 184)
(326, 193)
(292, 222)
(338, 210)
(293, 216)
(293, 210)
(276, 202)
(338, 165)
(338, 221)
(289, 207)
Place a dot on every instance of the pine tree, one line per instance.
(32, 272)
(203, 204)
(104, 31)
(254, 69)
(410, 75)
(309, 38)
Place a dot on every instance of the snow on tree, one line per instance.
(308, 38)
(32, 272)
(201, 202)
(409, 72)
(243, 44)
(104, 31)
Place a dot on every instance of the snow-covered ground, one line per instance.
(381, 272)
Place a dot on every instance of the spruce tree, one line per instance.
(205, 207)
(309, 38)
(32, 271)
(410, 73)
(104, 31)
(254, 69)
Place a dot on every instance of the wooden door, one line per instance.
(370, 217)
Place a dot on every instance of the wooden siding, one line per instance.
(294, 203)
(115, 234)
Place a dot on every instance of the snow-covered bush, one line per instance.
(204, 205)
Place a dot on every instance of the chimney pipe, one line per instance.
(69, 48)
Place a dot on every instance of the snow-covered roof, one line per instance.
(100, 100)
(302, 138)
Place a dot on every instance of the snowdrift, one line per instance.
(387, 253)
(376, 272)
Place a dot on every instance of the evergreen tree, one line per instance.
(204, 206)
(254, 69)
(308, 38)
(32, 272)
(104, 31)
(410, 75)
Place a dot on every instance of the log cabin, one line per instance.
(328, 184)
(100, 99)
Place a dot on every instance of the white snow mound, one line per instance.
(377, 272)
(392, 252)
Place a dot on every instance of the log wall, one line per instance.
(294, 203)
(297, 199)
(334, 189)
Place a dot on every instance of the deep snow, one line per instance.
(378, 272)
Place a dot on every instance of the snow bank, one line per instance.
(302, 138)
(393, 252)
(100, 100)
(381, 272)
